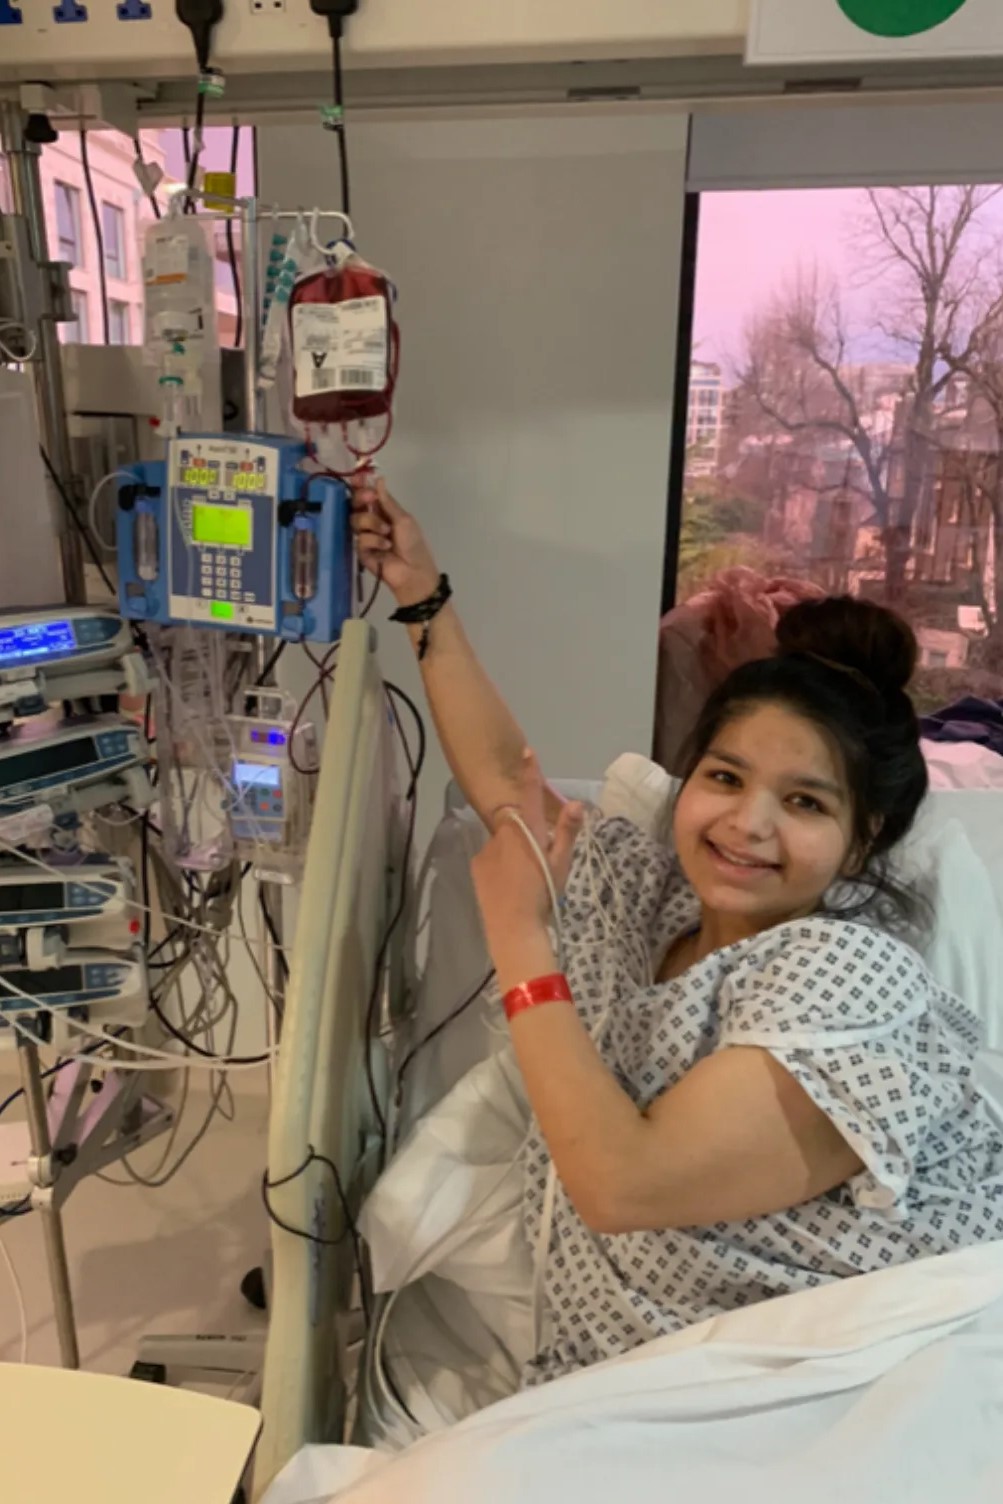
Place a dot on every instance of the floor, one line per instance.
(150, 1261)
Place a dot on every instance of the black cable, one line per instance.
(196, 153)
(270, 663)
(312, 1157)
(196, 1049)
(273, 933)
(19, 1209)
(231, 245)
(85, 162)
(339, 122)
(417, 763)
(440, 1028)
(78, 521)
(415, 766)
(327, 674)
(371, 602)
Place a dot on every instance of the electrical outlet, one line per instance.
(267, 7)
(69, 13)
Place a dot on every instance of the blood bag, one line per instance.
(345, 343)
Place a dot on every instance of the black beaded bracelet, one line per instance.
(424, 612)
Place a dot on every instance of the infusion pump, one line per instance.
(72, 654)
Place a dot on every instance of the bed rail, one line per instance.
(321, 1104)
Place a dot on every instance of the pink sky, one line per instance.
(751, 243)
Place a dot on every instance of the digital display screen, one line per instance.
(77, 752)
(35, 640)
(200, 478)
(226, 527)
(29, 897)
(256, 775)
(43, 983)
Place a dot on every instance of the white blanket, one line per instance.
(883, 1388)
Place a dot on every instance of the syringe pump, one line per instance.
(231, 532)
(95, 987)
(73, 767)
(72, 654)
(89, 903)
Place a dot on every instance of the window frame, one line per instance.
(72, 201)
(119, 309)
(113, 229)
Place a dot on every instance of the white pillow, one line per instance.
(965, 950)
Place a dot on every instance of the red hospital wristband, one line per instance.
(552, 989)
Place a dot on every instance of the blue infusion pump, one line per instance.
(230, 532)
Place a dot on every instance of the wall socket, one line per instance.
(267, 7)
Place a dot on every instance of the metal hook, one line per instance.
(315, 217)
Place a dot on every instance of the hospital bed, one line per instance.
(443, 1350)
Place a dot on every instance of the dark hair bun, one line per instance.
(855, 635)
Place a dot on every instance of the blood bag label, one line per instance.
(340, 347)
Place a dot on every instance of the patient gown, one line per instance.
(852, 1013)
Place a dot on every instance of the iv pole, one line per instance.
(23, 155)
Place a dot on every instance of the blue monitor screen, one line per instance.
(36, 641)
(256, 775)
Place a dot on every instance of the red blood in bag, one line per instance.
(353, 281)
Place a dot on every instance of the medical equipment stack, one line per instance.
(67, 751)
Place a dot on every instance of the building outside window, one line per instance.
(113, 234)
(79, 332)
(119, 324)
(68, 237)
(820, 444)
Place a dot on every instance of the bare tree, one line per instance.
(924, 247)
(973, 463)
(798, 373)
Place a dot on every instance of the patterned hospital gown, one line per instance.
(852, 1014)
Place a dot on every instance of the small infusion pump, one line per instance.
(273, 767)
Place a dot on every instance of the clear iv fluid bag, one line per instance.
(180, 320)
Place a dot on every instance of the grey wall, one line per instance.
(537, 259)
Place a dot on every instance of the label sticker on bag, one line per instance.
(340, 347)
(167, 261)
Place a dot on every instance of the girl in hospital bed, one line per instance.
(744, 1081)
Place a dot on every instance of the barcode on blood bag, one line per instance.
(358, 376)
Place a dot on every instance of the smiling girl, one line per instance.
(744, 1082)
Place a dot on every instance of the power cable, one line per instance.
(231, 245)
(85, 162)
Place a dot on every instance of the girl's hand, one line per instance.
(511, 890)
(391, 544)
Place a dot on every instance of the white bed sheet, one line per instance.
(883, 1388)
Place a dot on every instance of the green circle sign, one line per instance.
(899, 18)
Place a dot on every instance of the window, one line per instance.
(113, 234)
(69, 242)
(119, 324)
(821, 444)
(79, 332)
